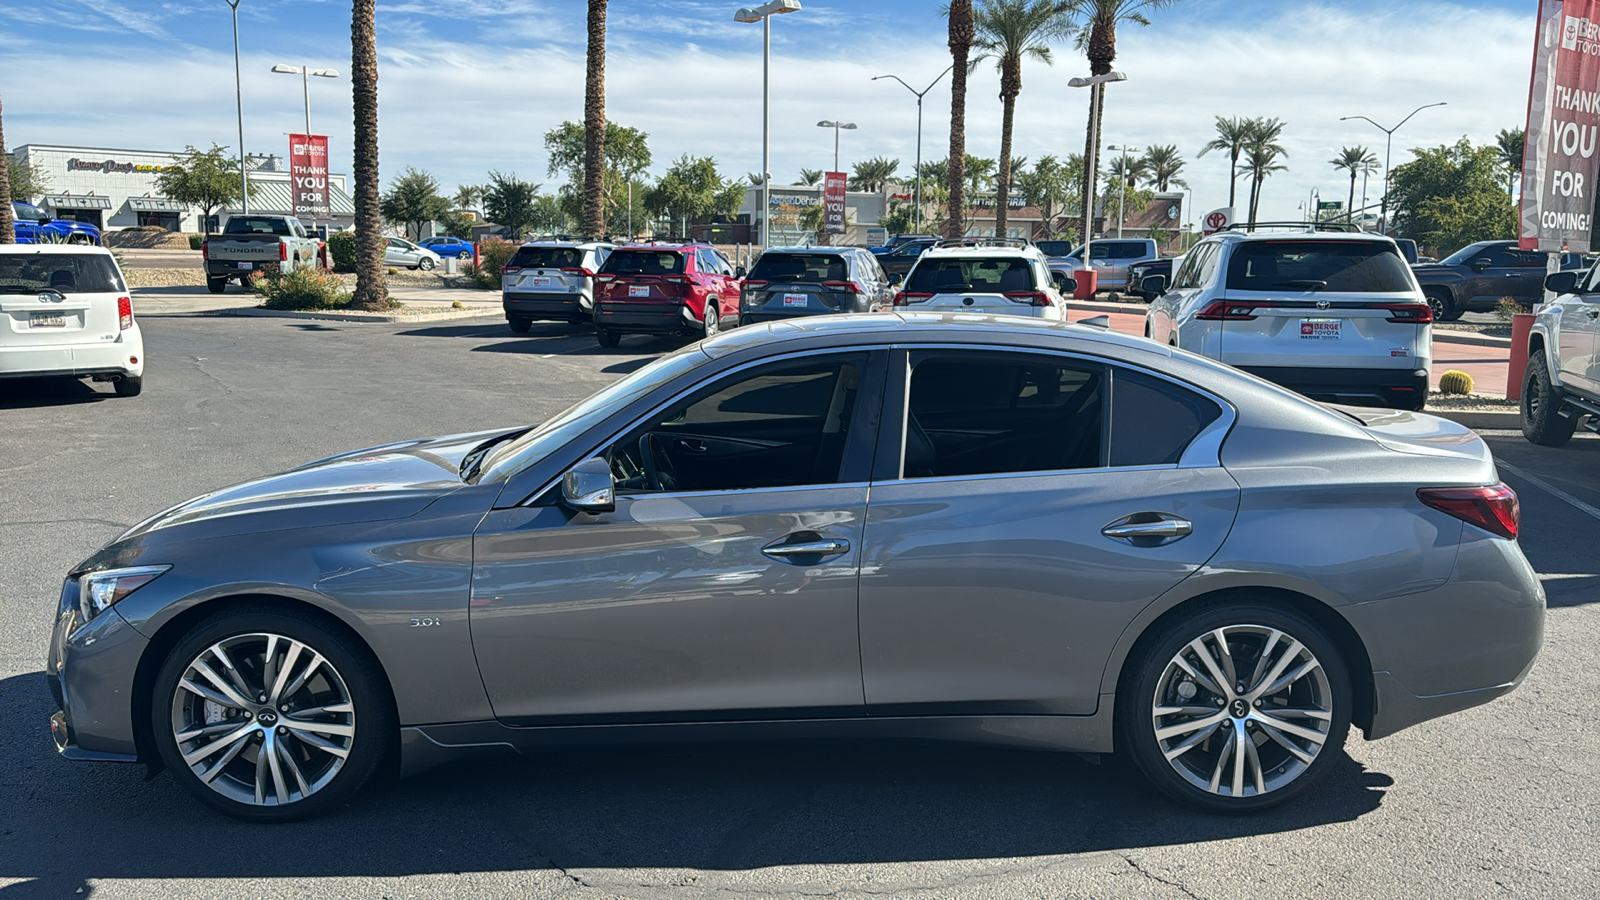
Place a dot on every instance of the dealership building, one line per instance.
(115, 189)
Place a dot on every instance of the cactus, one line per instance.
(1455, 382)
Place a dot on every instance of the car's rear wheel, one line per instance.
(713, 317)
(465, 254)
(128, 385)
(607, 337)
(1542, 422)
(425, 264)
(520, 326)
(269, 716)
(216, 285)
(1235, 708)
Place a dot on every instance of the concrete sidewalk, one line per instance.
(192, 299)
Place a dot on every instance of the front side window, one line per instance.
(970, 274)
(645, 262)
(64, 272)
(1356, 267)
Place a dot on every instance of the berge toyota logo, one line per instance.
(1577, 29)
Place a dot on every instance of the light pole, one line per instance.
(1122, 200)
(238, 96)
(1096, 85)
(847, 126)
(916, 195)
(306, 73)
(1383, 215)
(764, 14)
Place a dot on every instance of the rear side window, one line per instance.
(1054, 248)
(990, 276)
(546, 258)
(1154, 421)
(644, 262)
(64, 272)
(784, 268)
(1121, 250)
(1355, 267)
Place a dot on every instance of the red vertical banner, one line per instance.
(833, 187)
(308, 175)
(1559, 159)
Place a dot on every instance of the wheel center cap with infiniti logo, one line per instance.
(267, 718)
(1240, 708)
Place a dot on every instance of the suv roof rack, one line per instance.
(1341, 227)
(983, 242)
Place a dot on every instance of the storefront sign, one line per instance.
(833, 202)
(109, 166)
(308, 175)
(1559, 162)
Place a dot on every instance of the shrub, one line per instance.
(1455, 381)
(195, 240)
(342, 247)
(303, 288)
(1506, 308)
(493, 254)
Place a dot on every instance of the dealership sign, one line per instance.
(1559, 162)
(308, 175)
(833, 188)
(109, 166)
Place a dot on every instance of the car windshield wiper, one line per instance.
(1310, 284)
(471, 462)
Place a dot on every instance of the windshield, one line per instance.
(508, 459)
(784, 268)
(1466, 254)
(1351, 267)
(258, 225)
(1054, 248)
(993, 276)
(65, 272)
(644, 262)
(546, 258)
(27, 213)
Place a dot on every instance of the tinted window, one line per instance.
(64, 272)
(975, 415)
(992, 276)
(1529, 259)
(1120, 250)
(546, 258)
(781, 426)
(644, 262)
(1054, 248)
(258, 225)
(783, 268)
(1206, 266)
(1154, 421)
(1466, 254)
(1357, 267)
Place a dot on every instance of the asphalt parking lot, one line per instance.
(1503, 800)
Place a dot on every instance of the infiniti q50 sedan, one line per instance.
(907, 525)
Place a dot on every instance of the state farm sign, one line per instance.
(308, 175)
(1559, 162)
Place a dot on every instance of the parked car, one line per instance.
(65, 310)
(900, 260)
(687, 290)
(399, 252)
(1335, 316)
(897, 240)
(1561, 385)
(1139, 271)
(1111, 259)
(446, 247)
(551, 280)
(1478, 276)
(999, 278)
(33, 226)
(787, 282)
(1007, 532)
(251, 243)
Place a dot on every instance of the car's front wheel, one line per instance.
(1542, 422)
(1439, 302)
(1236, 708)
(270, 716)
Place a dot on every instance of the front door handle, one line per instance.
(785, 550)
(1149, 526)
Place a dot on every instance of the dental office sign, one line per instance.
(833, 188)
(1560, 163)
(308, 175)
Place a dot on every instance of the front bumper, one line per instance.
(1398, 388)
(123, 356)
(90, 670)
(545, 305)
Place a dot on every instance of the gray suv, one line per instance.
(808, 281)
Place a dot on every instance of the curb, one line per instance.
(398, 318)
(1478, 420)
(1469, 337)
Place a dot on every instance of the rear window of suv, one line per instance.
(786, 268)
(978, 275)
(1353, 267)
(644, 262)
(65, 272)
(546, 258)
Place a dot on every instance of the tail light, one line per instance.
(756, 285)
(1493, 507)
(1032, 298)
(1410, 313)
(283, 252)
(847, 286)
(604, 278)
(125, 312)
(904, 298)
(584, 272)
(510, 270)
(205, 249)
(675, 279)
(1233, 310)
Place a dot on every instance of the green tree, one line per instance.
(1051, 186)
(8, 223)
(548, 216)
(511, 202)
(871, 175)
(372, 289)
(413, 200)
(1232, 136)
(692, 188)
(456, 224)
(808, 177)
(1261, 154)
(1009, 31)
(1132, 169)
(627, 156)
(595, 127)
(1450, 196)
(899, 219)
(208, 179)
(1357, 161)
(1164, 162)
(1508, 146)
(26, 181)
(467, 196)
(960, 36)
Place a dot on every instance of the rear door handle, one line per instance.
(1149, 525)
(822, 548)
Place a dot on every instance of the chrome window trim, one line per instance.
(649, 495)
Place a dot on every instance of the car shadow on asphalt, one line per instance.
(722, 807)
(31, 393)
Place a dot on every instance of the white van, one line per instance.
(65, 310)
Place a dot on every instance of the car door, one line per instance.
(1529, 268)
(723, 585)
(1494, 274)
(1003, 553)
(1576, 341)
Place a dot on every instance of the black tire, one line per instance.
(216, 285)
(607, 337)
(425, 264)
(465, 254)
(711, 322)
(1439, 301)
(1542, 422)
(375, 731)
(128, 385)
(520, 326)
(1150, 669)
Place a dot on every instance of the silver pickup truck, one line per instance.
(253, 243)
(1561, 385)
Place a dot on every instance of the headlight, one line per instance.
(99, 591)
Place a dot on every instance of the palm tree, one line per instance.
(959, 14)
(1164, 163)
(873, 174)
(808, 177)
(1261, 155)
(8, 225)
(1508, 146)
(1129, 170)
(1098, 41)
(979, 172)
(1357, 161)
(467, 196)
(594, 125)
(372, 291)
(1008, 31)
(1232, 135)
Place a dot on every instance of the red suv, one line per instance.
(678, 289)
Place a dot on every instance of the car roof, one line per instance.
(674, 247)
(900, 327)
(79, 249)
(839, 251)
(1307, 235)
(566, 244)
(984, 250)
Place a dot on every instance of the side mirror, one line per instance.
(46, 220)
(1561, 282)
(1481, 263)
(739, 271)
(588, 487)
(1065, 283)
(896, 278)
(1153, 285)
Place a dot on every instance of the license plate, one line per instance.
(1320, 329)
(246, 265)
(540, 282)
(638, 290)
(796, 300)
(47, 320)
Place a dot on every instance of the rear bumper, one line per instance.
(647, 318)
(217, 268)
(109, 358)
(1387, 387)
(529, 305)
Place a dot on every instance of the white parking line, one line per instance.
(1552, 490)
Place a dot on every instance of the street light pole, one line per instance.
(764, 14)
(916, 194)
(847, 126)
(1383, 215)
(306, 73)
(1122, 200)
(238, 96)
(1096, 85)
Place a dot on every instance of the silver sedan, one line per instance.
(911, 525)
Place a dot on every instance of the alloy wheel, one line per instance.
(713, 317)
(263, 719)
(1242, 711)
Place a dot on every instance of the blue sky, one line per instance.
(467, 86)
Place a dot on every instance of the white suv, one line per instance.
(997, 277)
(1561, 385)
(1337, 316)
(65, 310)
(551, 280)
